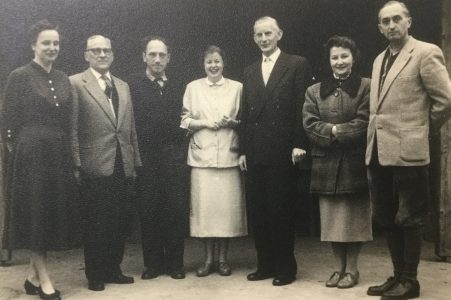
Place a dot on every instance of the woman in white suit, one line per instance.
(210, 109)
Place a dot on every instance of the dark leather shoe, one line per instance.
(30, 289)
(54, 296)
(119, 279)
(258, 275)
(334, 279)
(96, 286)
(283, 280)
(402, 290)
(348, 281)
(177, 274)
(204, 269)
(378, 290)
(224, 269)
(150, 274)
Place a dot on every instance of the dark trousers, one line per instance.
(107, 210)
(163, 197)
(399, 196)
(270, 192)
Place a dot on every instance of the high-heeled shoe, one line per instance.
(54, 296)
(30, 289)
(204, 269)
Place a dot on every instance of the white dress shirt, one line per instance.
(102, 85)
(268, 64)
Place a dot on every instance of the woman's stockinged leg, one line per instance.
(352, 256)
(209, 250)
(39, 261)
(339, 250)
(223, 249)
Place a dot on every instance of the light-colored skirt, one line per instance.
(218, 206)
(345, 218)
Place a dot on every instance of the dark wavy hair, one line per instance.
(39, 27)
(344, 42)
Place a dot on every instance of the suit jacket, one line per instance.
(414, 100)
(157, 116)
(95, 132)
(271, 115)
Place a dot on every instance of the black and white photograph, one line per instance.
(225, 149)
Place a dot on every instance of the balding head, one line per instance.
(269, 20)
(98, 53)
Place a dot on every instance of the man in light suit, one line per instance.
(272, 141)
(105, 152)
(410, 99)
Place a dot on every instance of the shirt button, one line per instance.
(54, 96)
(57, 104)
(52, 89)
(50, 81)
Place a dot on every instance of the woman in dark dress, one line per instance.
(335, 118)
(35, 116)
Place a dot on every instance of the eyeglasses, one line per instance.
(98, 51)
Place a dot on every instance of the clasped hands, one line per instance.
(224, 122)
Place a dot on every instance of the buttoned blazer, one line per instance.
(95, 132)
(415, 100)
(271, 115)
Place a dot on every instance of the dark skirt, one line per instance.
(42, 206)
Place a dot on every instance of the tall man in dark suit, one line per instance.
(163, 180)
(105, 152)
(410, 99)
(272, 141)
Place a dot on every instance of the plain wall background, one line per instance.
(191, 25)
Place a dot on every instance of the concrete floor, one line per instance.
(314, 261)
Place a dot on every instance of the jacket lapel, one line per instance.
(398, 65)
(122, 95)
(274, 78)
(93, 88)
(259, 86)
(375, 79)
(277, 72)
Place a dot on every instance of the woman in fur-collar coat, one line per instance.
(335, 118)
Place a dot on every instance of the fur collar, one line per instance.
(350, 85)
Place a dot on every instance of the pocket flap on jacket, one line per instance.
(414, 143)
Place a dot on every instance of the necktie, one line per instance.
(266, 69)
(109, 93)
(160, 84)
(108, 86)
